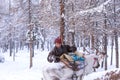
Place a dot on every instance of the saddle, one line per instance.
(73, 61)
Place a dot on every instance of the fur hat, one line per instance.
(58, 40)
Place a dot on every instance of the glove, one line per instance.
(50, 59)
(73, 49)
(56, 60)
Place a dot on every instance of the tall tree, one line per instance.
(105, 41)
(10, 34)
(112, 44)
(116, 35)
(62, 21)
(30, 34)
(116, 49)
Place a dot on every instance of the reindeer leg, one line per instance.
(55, 78)
(81, 77)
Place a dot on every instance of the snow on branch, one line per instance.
(71, 31)
(100, 8)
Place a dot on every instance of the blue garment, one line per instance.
(77, 58)
(82, 63)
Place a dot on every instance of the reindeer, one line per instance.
(61, 72)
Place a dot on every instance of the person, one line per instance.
(60, 53)
(59, 50)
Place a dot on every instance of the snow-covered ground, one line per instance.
(19, 69)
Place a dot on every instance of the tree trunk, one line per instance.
(105, 41)
(31, 40)
(33, 46)
(62, 23)
(71, 38)
(42, 45)
(37, 44)
(10, 26)
(92, 41)
(116, 49)
(21, 46)
(17, 46)
(48, 45)
(31, 53)
(14, 55)
(105, 49)
(10, 47)
(116, 36)
(112, 43)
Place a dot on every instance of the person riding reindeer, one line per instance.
(60, 53)
(61, 67)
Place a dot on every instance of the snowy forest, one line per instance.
(87, 24)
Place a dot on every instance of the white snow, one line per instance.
(99, 8)
(36, 2)
(19, 69)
